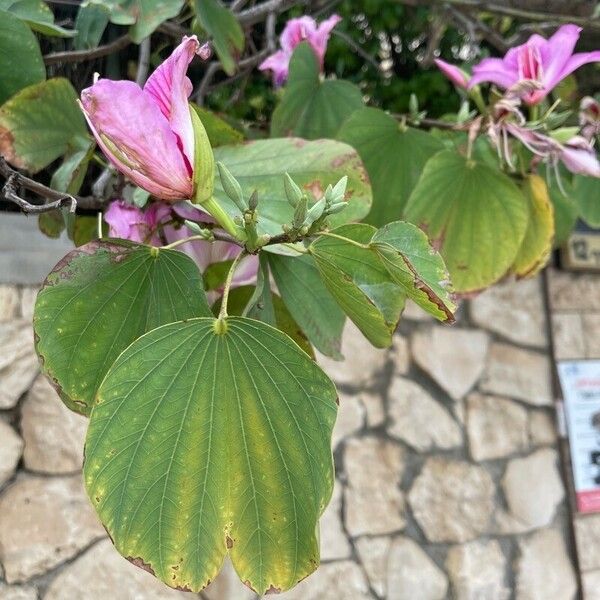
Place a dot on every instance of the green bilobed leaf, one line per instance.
(227, 34)
(416, 267)
(90, 23)
(219, 131)
(311, 108)
(17, 40)
(99, 299)
(261, 166)
(474, 213)
(41, 123)
(202, 444)
(537, 243)
(359, 282)
(394, 157)
(309, 302)
(586, 192)
(37, 15)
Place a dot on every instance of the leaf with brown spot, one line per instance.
(260, 165)
(362, 286)
(416, 267)
(222, 445)
(101, 297)
(41, 123)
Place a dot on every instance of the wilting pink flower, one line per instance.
(546, 62)
(147, 133)
(296, 31)
(132, 223)
(579, 156)
(457, 76)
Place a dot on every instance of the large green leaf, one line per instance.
(261, 165)
(37, 15)
(537, 243)
(90, 23)
(586, 192)
(41, 123)
(219, 131)
(227, 34)
(99, 299)
(356, 277)
(202, 444)
(17, 40)
(311, 108)
(566, 211)
(416, 267)
(394, 156)
(309, 302)
(474, 213)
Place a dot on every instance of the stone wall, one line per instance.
(575, 308)
(448, 481)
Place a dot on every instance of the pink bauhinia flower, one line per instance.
(153, 226)
(456, 75)
(544, 61)
(147, 133)
(296, 31)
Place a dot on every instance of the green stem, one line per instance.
(534, 112)
(475, 95)
(224, 300)
(223, 219)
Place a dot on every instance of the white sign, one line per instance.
(580, 382)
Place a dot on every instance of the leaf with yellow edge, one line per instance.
(211, 438)
(539, 235)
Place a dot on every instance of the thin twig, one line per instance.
(258, 13)
(10, 193)
(525, 14)
(143, 62)
(356, 47)
(19, 180)
(70, 56)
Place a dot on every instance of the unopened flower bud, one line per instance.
(316, 211)
(336, 208)
(231, 187)
(253, 202)
(292, 191)
(300, 213)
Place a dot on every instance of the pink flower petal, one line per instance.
(557, 53)
(296, 31)
(318, 40)
(578, 60)
(126, 221)
(137, 138)
(279, 64)
(495, 71)
(579, 156)
(170, 87)
(453, 73)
